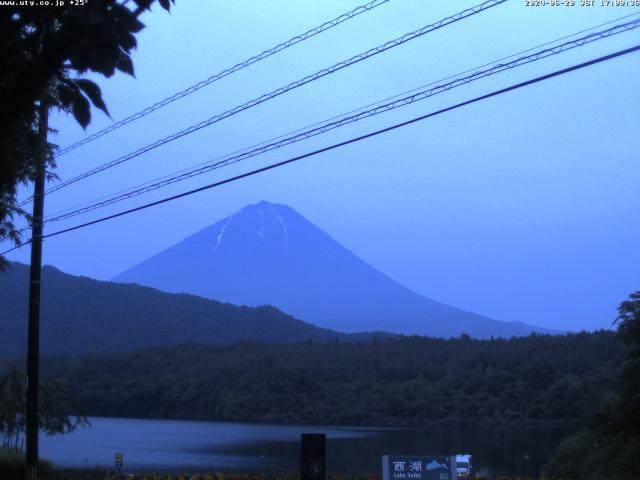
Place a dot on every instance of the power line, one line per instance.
(408, 100)
(206, 166)
(344, 143)
(224, 73)
(275, 93)
(378, 102)
(226, 156)
(245, 153)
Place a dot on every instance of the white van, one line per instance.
(463, 465)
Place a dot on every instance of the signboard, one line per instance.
(419, 467)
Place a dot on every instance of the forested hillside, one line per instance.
(406, 381)
(82, 315)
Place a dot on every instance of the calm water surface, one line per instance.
(170, 445)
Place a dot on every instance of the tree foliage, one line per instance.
(412, 381)
(55, 410)
(609, 448)
(44, 52)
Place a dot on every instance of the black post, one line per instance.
(313, 456)
(33, 347)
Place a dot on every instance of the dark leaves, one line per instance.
(146, 4)
(165, 4)
(81, 111)
(127, 41)
(143, 4)
(125, 19)
(69, 97)
(629, 319)
(62, 43)
(67, 93)
(124, 64)
(92, 91)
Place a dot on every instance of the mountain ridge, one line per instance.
(268, 253)
(82, 315)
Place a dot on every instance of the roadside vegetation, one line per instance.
(609, 446)
(55, 406)
(55, 409)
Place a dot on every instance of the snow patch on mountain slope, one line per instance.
(221, 234)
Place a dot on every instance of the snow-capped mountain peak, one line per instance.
(267, 253)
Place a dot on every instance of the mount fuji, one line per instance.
(270, 254)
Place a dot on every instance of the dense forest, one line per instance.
(550, 380)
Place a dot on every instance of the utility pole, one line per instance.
(33, 347)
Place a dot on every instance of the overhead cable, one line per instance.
(225, 73)
(334, 117)
(400, 102)
(275, 93)
(340, 144)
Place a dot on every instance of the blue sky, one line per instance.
(522, 207)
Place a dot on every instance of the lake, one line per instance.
(172, 445)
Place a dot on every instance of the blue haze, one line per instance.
(521, 208)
